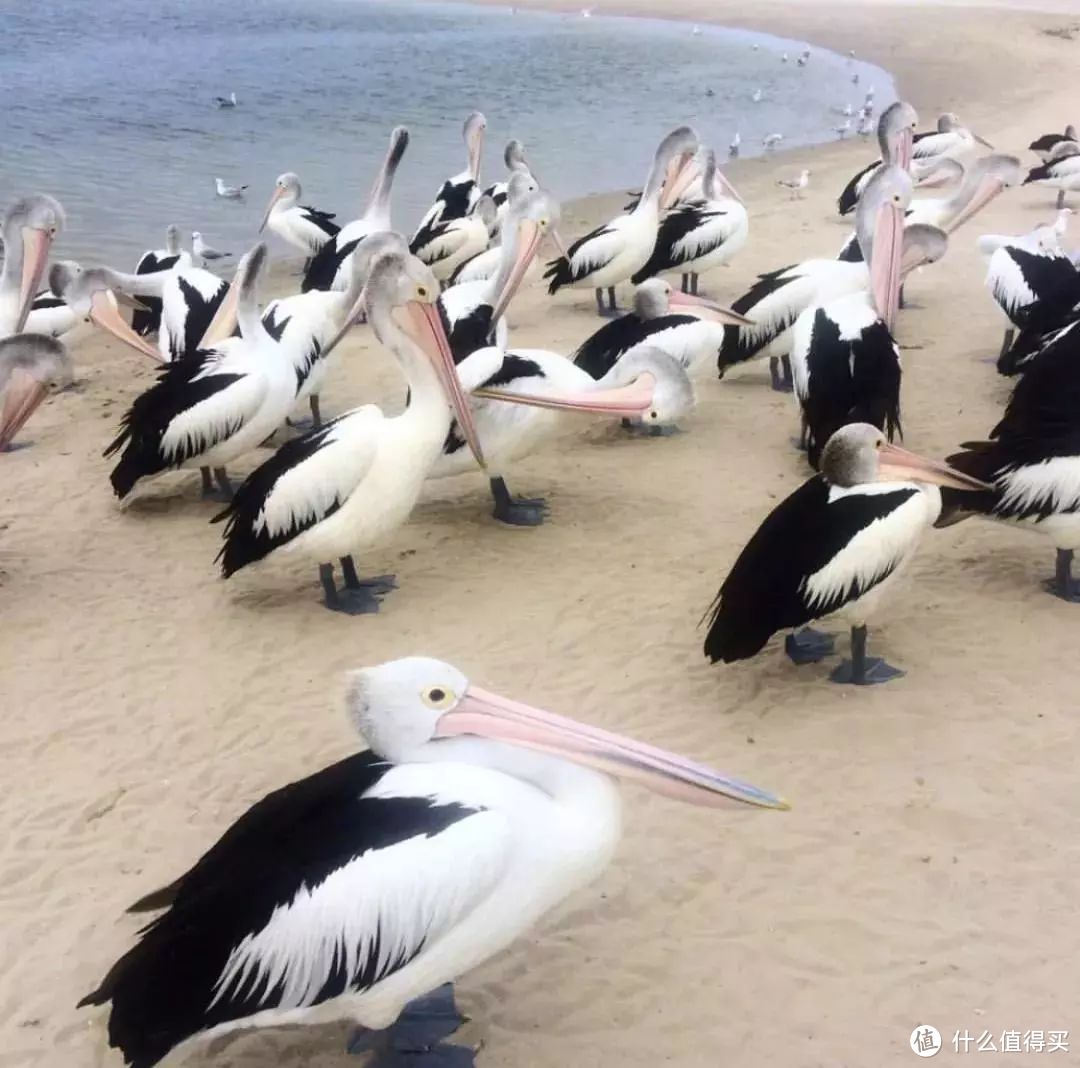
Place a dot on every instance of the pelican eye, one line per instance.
(438, 697)
(421, 291)
(653, 415)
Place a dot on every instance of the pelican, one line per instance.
(614, 252)
(516, 163)
(303, 228)
(446, 245)
(28, 364)
(458, 195)
(845, 362)
(171, 257)
(1032, 459)
(351, 483)
(696, 237)
(229, 192)
(1044, 146)
(836, 545)
(30, 226)
(778, 297)
(212, 407)
(203, 251)
(951, 138)
(1062, 171)
(329, 267)
(895, 132)
(357, 891)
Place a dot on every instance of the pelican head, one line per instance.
(713, 181)
(858, 454)
(172, 239)
(879, 224)
(896, 131)
(514, 157)
(286, 187)
(923, 244)
(93, 293)
(30, 226)
(28, 363)
(473, 133)
(531, 216)
(987, 179)
(656, 297)
(673, 167)
(486, 212)
(418, 710)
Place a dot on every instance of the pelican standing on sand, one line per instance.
(613, 253)
(895, 132)
(329, 267)
(458, 195)
(696, 237)
(363, 891)
(29, 363)
(30, 226)
(1061, 171)
(304, 228)
(154, 261)
(836, 545)
(211, 408)
(1044, 146)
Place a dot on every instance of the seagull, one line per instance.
(204, 251)
(844, 129)
(847, 110)
(855, 78)
(804, 58)
(770, 141)
(757, 96)
(226, 102)
(867, 126)
(783, 58)
(230, 192)
(796, 185)
(736, 141)
(696, 31)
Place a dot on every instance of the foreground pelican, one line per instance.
(365, 887)
(329, 267)
(836, 545)
(212, 407)
(30, 226)
(28, 364)
(613, 253)
(304, 228)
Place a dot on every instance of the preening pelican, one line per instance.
(696, 237)
(516, 163)
(29, 363)
(458, 195)
(171, 257)
(895, 133)
(304, 228)
(213, 406)
(329, 267)
(30, 226)
(1061, 171)
(1045, 145)
(835, 546)
(444, 246)
(356, 892)
(614, 252)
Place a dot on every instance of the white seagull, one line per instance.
(229, 192)
(203, 251)
(796, 185)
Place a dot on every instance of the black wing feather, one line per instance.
(676, 225)
(324, 220)
(735, 348)
(600, 352)
(325, 264)
(560, 271)
(849, 198)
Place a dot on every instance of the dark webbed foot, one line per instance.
(863, 670)
(378, 584)
(358, 600)
(781, 383)
(517, 511)
(415, 1040)
(808, 646)
(1063, 585)
(223, 490)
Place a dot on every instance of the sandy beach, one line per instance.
(927, 871)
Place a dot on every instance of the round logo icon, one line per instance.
(925, 1041)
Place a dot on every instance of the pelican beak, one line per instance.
(23, 397)
(426, 329)
(128, 301)
(36, 246)
(557, 241)
(905, 147)
(529, 237)
(626, 401)
(357, 314)
(899, 465)
(278, 193)
(990, 187)
(105, 314)
(223, 325)
(488, 715)
(982, 141)
(681, 172)
(729, 188)
(885, 264)
(476, 149)
(708, 309)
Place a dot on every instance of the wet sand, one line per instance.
(927, 871)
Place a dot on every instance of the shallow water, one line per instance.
(108, 104)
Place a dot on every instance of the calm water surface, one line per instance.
(108, 104)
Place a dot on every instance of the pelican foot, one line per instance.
(357, 598)
(1063, 593)
(645, 430)
(416, 1039)
(799, 444)
(354, 602)
(517, 511)
(808, 646)
(15, 446)
(874, 671)
(218, 488)
(1063, 585)
(781, 383)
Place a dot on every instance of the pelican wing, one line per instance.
(600, 352)
(593, 251)
(774, 302)
(321, 889)
(438, 242)
(323, 220)
(849, 197)
(1033, 289)
(686, 234)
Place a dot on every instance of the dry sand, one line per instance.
(927, 873)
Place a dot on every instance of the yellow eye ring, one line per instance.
(439, 697)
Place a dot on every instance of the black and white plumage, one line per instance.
(1061, 171)
(1032, 459)
(329, 267)
(354, 892)
(895, 134)
(516, 163)
(154, 261)
(698, 236)
(213, 406)
(614, 252)
(1044, 146)
(457, 196)
(449, 243)
(300, 226)
(834, 547)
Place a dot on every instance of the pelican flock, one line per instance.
(364, 891)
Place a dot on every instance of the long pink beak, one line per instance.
(899, 465)
(36, 246)
(223, 325)
(279, 192)
(23, 397)
(624, 401)
(105, 314)
(488, 715)
(989, 188)
(728, 187)
(426, 329)
(885, 264)
(708, 309)
(529, 237)
(476, 149)
(905, 148)
(683, 172)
